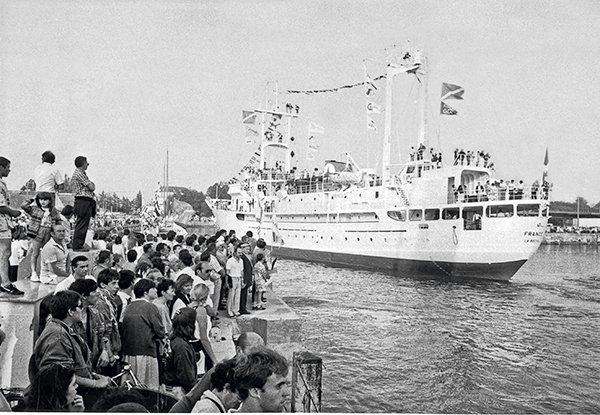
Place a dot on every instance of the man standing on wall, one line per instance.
(85, 205)
(48, 178)
(6, 225)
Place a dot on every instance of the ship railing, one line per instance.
(222, 204)
(495, 195)
(311, 187)
(276, 175)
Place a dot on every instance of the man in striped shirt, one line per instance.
(85, 205)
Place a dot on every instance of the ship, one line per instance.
(423, 218)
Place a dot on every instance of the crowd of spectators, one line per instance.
(499, 190)
(149, 302)
(153, 311)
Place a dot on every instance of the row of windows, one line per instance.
(333, 196)
(346, 238)
(492, 211)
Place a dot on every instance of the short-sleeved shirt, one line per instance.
(55, 253)
(235, 267)
(79, 183)
(47, 177)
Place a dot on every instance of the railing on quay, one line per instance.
(307, 371)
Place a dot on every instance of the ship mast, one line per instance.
(409, 63)
(284, 141)
(423, 133)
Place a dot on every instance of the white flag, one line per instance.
(315, 128)
(250, 135)
(373, 108)
(371, 124)
(310, 153)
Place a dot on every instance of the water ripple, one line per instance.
(392, 344)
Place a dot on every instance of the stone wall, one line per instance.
(571, 239)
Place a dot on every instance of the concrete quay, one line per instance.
(277, 324)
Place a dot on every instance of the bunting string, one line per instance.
(322, 91)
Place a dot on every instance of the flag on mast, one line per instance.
(248, 117)
(447, 109)
(450, 91)
(371, 124)
(315, 128)
(250, 135)
(373, 108)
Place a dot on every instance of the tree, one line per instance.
(219, 191)
(138, 200)
(583, 204)
(193, 197)
(562, 206)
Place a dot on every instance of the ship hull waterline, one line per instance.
(409, 268)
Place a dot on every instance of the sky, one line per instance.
(123, 82)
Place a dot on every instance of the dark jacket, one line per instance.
(142, 326)
(60, 344)
(181, 365)
(248, 270)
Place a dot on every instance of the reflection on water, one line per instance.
(393, 344)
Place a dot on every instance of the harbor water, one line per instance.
(395, 344)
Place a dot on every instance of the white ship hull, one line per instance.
(369, 238)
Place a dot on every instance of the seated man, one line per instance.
(54, 256)
(59, 343)
(261, 381)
